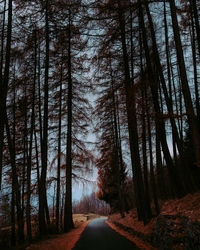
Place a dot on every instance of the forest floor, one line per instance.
(61, 241)
(177, 226)
(65, 240)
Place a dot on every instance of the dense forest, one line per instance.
(127, 71)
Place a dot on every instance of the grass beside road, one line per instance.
(80, 218)
(65, 241)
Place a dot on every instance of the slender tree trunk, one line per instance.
(24, 167)
(62, 209)
(25, 148)
(176, 103)
(174, 133)
(54, 194)
(144, 146)
(2, 42)
(1, 91)
(164, 194)
(124, 198)
(144, 154)
(193, 44)
(46, 209)
(197, 26)
(15, 181)
(43, 207)
(152, 177)
(42, 225)
(37, 158)
(119, 162)
(132, 125)
(68, 221)
(59, 152)
(131, 40)
(39, 100)
(29, 163)
(13, 221)
(13, 230)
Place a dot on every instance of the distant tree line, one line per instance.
(90, 204)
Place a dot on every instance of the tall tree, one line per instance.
(43, 209)
(185, 86)
(68, 221)
(1, 88)
(132, 122)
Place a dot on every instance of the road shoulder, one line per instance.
(60, 242)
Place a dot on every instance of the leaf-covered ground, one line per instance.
(65, 241)
(177, 227)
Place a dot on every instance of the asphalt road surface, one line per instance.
(99, 236)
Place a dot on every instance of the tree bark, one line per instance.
(144, 137)
(15, 181)
(193, 44)
(1, 91)
(68, 221)
(43, 208)
(197, 26)
(29, 162)
(59, 151)
(13, 230)
(152, 177)
(119, 162)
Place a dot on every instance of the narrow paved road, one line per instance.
(99, 236)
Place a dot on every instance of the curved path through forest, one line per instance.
(99, 236)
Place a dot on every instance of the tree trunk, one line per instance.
(193, 44)
(152, 177)
(29, 162)
(132, 125)
(174, 135)
(164, 193)
(37, 158)
(15, 182)
(119, 162)
(1, 91)
(144, 146)
(13, 230)
(197, 26)
(13, 221)
(68, 221)
(43, 207)
(59, 152)
(144, 154)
